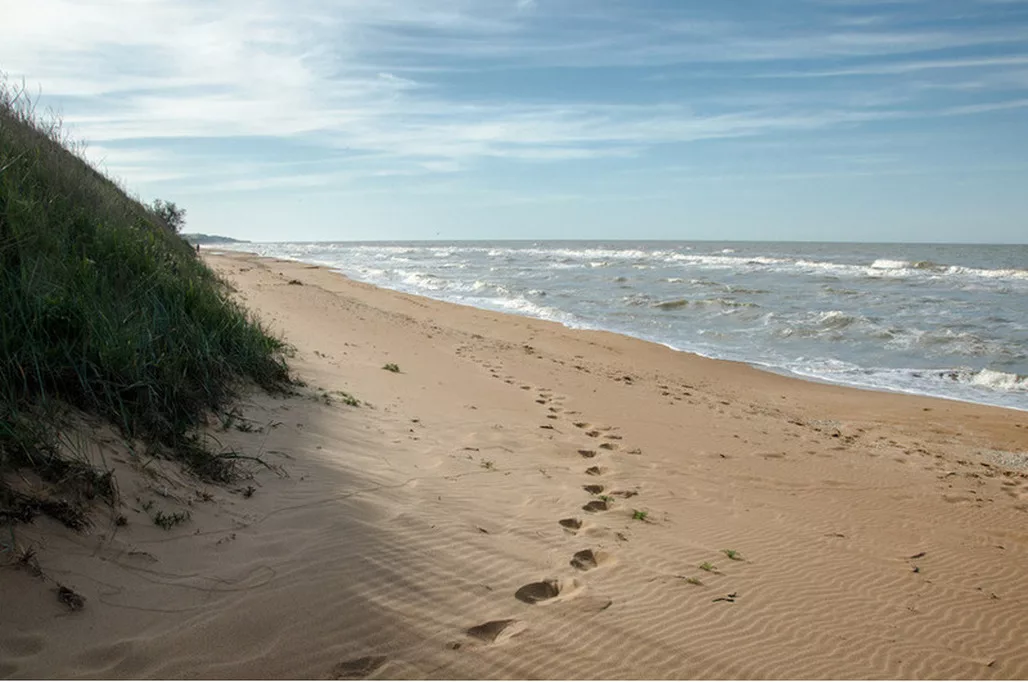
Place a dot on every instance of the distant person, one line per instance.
(198, 248)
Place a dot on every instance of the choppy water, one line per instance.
(942, 320)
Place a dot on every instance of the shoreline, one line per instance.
(764, 367)
(523, 500)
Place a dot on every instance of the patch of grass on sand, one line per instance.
(391, 367)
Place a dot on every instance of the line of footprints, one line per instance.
(552, 589)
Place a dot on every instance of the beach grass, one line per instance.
(108, 312)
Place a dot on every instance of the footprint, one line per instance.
(593, 433)
(541, 401)
(571, 524)
(358, 668)
(593, 489)
(587, 453)
(495, 630)
(596, 506)
(625, 493)
(587, 560)
(594, 471)
(552, 416)
(545, 591)
(612, 436)
(608, 446)
(582, 425)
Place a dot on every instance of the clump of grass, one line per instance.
(488, 464)
(640, 515)
(694, 581)
(708, 567)
(732, 554)
(107, 310)
(391, 367)
(169, 521)
(348, 399)
(27, 560)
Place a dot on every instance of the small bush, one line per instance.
(391, 367)
(169, 213)
(169, 521)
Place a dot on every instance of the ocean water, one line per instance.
(940, 320)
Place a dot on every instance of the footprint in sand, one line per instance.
(608, 446)
(546, 591)
(588, 454)
(358, 668)
(495, 631)
(592, 434)
(596, 506)
(593, 489)
(541, 401)
(582, 425)
(594, 471)
(571, 524)
(587, 560)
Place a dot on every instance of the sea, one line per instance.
(940, 320)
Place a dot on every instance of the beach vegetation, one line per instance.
(168, 521)
(106, 313)
(732, 554)
(640, 515)
(708, 567)
(391, 367)
(169, 213)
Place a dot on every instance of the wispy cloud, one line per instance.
(426, 87)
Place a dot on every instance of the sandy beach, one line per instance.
(523, 500)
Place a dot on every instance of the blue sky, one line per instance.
(892, 120)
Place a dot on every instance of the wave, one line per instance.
(868, 311)
(685, 302)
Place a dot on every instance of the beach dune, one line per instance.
(519, 499)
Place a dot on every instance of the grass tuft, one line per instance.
(169, 521)
(391, 367)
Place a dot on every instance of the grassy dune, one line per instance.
(106, 311)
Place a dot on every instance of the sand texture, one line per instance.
(522, 500)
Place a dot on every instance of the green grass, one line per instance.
(391, 367)
(640, 515)
(732, 554)
(708, 567)
(169, 521)
(105, 309)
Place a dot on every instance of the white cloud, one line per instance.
(139, 78)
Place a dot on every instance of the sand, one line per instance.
(522, 500)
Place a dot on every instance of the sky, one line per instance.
(287, 120)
